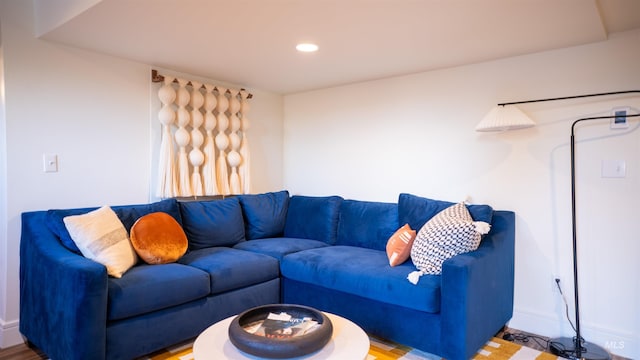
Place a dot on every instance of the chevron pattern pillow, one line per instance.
(451, 232)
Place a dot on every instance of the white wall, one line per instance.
(416, 134)
(94, 112)
(3, 192)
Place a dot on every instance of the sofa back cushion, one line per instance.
(128, 214)
(212, 223)
(366, 224)
(416, 210)
(311, 217)
(264, 214)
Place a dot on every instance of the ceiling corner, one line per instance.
(618, 15)
(49, 14)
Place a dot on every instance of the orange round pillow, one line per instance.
(158, 238)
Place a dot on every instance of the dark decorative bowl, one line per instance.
(276, 343)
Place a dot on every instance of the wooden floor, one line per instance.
(23, 352)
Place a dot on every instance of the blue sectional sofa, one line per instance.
(250, 250)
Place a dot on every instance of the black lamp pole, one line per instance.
(577, 348)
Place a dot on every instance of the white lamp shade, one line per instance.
(504, 117)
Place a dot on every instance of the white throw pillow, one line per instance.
(101, 237)
(451, 232)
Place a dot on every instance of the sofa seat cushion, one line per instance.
(231, 269)
(363, 272)
(147, 288)
(279, 247)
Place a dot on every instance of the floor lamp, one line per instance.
(505, 117)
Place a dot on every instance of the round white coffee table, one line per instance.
(348, 341)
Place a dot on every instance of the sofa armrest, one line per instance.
(477, 290)
(63, 296)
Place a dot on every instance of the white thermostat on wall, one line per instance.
(619, 121)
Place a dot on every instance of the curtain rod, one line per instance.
(570, 97)
(155, 77)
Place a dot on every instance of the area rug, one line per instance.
(495, 349)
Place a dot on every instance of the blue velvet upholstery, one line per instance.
(134, 337)
(477, 291)
(279, 247)
(476, 299)
(128, 214)
(264, 214)
(64, 300)
(55, 223)
(71, 309)
(212, 223)
(314, 218)
(406, 326)
(231, 269)
(367, 224)
(363, 272)
(148, 288)
(61, 293)
(416, 210)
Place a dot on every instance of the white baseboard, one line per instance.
(616, 342)
(535, 323)
(10, 334)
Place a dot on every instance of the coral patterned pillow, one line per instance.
(451, 232)
(158, 238)
(399, 245)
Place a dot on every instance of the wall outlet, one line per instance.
(554, 284)
(620, 119)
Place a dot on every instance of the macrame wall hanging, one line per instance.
(204, 150)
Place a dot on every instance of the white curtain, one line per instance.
(204, 148)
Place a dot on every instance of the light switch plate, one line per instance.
(614, 168)
(50, 162)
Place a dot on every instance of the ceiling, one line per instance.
(251, 43)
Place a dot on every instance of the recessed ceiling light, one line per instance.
(307, 47)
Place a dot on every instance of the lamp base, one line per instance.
(566, 347)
